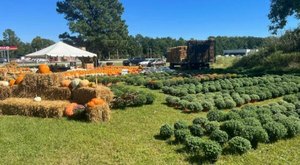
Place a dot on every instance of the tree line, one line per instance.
(11, 39)
(98, 26)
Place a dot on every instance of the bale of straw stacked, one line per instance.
(5, 92)
(43, 85)
(28, 107)
(98, 113)
(57, 93)
(84, 94)
(177, 54)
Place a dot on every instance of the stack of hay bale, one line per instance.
(28, 107)
(43, 85)
(48, 87)
(97, 112)
(177, 54)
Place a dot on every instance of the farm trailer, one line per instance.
(196, 55)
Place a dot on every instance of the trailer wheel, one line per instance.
(171, 66)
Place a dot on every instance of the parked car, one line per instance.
(133, 61)
(3, 60)
(157, 62)
(147, 62)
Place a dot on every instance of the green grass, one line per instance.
(223, 62)
(127, 139)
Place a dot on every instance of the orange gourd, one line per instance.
(12, 82)
(19, 79)
(65, 83)
(91, 104)
(98, 101)
(69, 109)
(44, 69)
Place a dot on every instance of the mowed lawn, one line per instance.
(127, 139)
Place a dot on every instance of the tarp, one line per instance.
(61, 49)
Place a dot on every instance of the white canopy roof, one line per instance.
(61, 49)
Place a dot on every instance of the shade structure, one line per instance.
(61, 49)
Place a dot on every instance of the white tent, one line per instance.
(61, 49)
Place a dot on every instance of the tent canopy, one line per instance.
(61, 49)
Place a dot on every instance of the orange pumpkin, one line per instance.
(12, 82)
(65, 83)
(98, 101)
(44, 69)
(69, 109)
(91, 104)
(19, 79)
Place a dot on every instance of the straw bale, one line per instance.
(5, 92)
(28, 107)
(99, 113)
(57, 93)
(85, 94)
(35, 81)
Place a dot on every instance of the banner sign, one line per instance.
(8, 48)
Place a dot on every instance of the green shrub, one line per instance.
(220, 103)
(173, 101)
(275, 130)
(180, 125)
(290, 98)
(139, 100)
(232, 115)
(181, 134)
(263, 118)
(247, 113)
(193, 144)
(195, 106)
(251, 121)
(293, 127)
(230, 103)
(246, 97)
(200, 120)
(255, 134)
(207, 106)
(211, 126)
(219, 136)
(238, 145)
(166, 131)
(211, 149)
(149, 98)
(254, 98)
(232, 127)
(215, 115)
(197, 130)
(297, 105)
(183, 104)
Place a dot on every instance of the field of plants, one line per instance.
(148, 118)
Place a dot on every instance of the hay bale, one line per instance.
(35, 81)
(57, 93)
(36, 85)
(85, 94)
(5, 92)
(99, 113)
(28, 107)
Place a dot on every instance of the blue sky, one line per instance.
(155, 18)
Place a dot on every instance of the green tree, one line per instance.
(280, 10)
(39, 43)
(96, 23)
(10, 38)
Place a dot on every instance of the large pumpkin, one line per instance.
(84, 83)
(19, 79)
(12, 82)
(44, 69)
(65, 83)
(69, 110)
